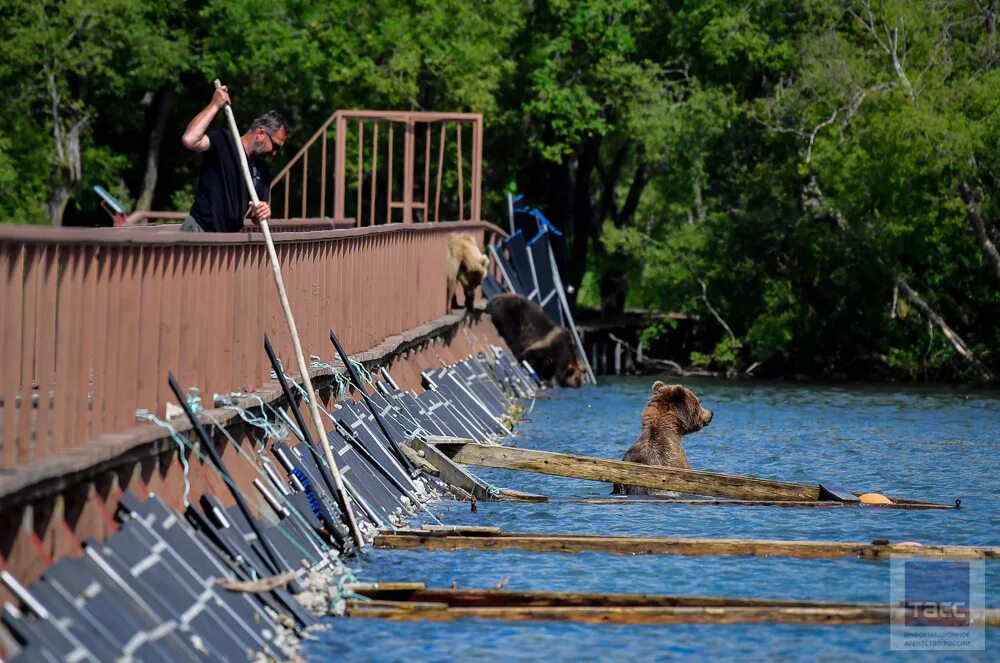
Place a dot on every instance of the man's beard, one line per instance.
(257, 151)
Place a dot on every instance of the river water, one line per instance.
(938, 444)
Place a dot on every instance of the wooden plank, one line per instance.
(616, 471)
(492, 598)
(451, 473)
(362, 587)
(520, 496)
(418, 461)
(643, 615)
(626, 545)
(11, 290)
(666, 501)
(461, 529)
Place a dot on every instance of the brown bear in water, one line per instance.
(671, 412)
(466, 267)
(533, 337)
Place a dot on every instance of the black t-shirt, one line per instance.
(221, 196)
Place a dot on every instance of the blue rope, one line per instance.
(182, 445)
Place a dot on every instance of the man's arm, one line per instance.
(194, 137)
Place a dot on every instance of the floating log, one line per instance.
(667, 501)
(634, 545)
(593, 615)
(419, 603)
(714, 484)
(491, 598)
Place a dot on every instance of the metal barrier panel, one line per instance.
(92, 320)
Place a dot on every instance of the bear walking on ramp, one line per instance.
(533, 337)
(466, 267)
(671, 412)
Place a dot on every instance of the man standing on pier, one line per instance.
(221, 200)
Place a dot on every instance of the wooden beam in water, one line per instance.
(420, 604)
(630, 545)
(618, 471)
(696, 482)
(494, 598)
(413, 601)
(667, 501)
(628, 615)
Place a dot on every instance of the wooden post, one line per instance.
(339, 161)
(409, 154)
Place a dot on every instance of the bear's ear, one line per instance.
(668, 393)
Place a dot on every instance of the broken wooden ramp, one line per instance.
(696, 482)
(414, 602)
(458, 538)
(432, 460)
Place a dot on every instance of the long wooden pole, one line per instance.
(292, 329)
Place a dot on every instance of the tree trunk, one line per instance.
(69, 168)
(990, 51)
(58, 200)
(582, 214)
(615, 268)
(614, 288)
(979, 228)
(67, 128)
(164, 104)
(938, 321)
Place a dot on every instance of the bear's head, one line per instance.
(571, 375)
(680, 404)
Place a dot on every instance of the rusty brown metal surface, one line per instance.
(93, 319)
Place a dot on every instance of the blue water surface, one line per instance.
(938, 444)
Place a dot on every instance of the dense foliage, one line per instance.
(816, 180)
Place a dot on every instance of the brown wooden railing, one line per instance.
(92, 320)
(436, 173)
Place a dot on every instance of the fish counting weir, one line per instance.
(230, 525)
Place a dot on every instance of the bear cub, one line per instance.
(671, 412)
(466, 267)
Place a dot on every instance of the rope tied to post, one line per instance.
(182, 446)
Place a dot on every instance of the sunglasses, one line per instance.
(275, 145)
